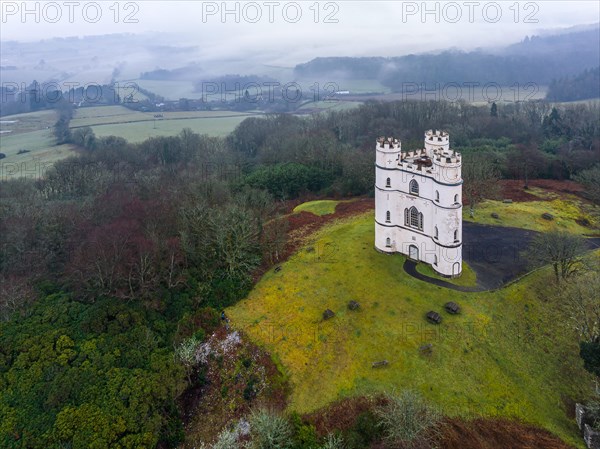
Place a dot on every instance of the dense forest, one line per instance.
(580, 87)
(117, 256)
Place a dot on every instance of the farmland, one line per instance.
(29, 137)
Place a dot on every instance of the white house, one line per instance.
(418, 202)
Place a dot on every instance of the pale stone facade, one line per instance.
(418, 202)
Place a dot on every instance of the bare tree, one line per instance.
(590, 178)
(581, 300)
(480, 180)
(15, 295)
(526, 161)
(560, 249)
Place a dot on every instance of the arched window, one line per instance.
(437, 196)
(456, 235)
(435, 235)
(388, 217)
(388, 242)
(434, 259)
(415, 218)
(388, 182)
(456, 198)
(413, 187)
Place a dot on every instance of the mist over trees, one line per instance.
(561, 56)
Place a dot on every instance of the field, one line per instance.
(509, 354)
(328, 105)
(137, 126)
(31, 135)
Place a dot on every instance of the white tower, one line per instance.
(418, 202)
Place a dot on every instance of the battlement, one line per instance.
(436, 137)
(388, 143)
(447, 157)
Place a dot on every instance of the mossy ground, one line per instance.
(510, 353)
(318, 207)
(528, 215)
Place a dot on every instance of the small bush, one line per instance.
(269, 430)
(305, 434)
(407, 420)
(227, 439)
(250, 390)
(364, 432)
(333, 442)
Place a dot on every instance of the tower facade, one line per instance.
(418, 202)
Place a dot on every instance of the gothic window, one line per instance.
(436, 233)
(413, 187)
(456, 235)
(435, 259)
(456, 198)
(388, 242)
(437, 196)
(406, 218)
(388, 217)
(415, 218)
(388, 182)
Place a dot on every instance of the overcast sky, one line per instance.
(286, 33)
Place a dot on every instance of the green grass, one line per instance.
(27, 122)
(141, 130)
(330, 105)
(528, 215)
(468, 278)
(507, 354)
(106, 115)
(319, 207)
(31, 132)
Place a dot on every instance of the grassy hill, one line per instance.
(509, 354)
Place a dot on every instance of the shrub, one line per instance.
(590, 353)
(364, 432)
(333, 442)
(270, 430)
(305, 434)
(407, 420)
(227, 440)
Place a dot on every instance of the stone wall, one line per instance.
(591, 437)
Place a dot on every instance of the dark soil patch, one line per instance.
(497, 433)
(342, 415)
(480, 433)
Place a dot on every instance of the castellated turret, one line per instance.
(418, 202)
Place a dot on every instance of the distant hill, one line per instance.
(537, 59)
